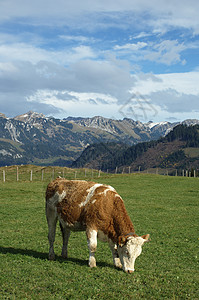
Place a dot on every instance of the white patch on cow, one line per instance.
(119, 197)
(56, 198)
(62, 196)
(105, 191)
(109, 188)
(92, 242)
(92, 245)
(90, 194)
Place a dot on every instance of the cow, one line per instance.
(98, 210)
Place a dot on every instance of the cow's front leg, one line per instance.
(116, 259)
(51, 216)
(92, 246)
(65, 235)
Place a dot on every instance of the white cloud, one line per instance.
(22, 52)
(71, 103)
(140, 35)
(159, 14)
(173, 95)
(77, 38)
(131, 47)
(34, 54)
(22, 80)
(186, 83)
(167, 52)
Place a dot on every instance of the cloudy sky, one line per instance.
(115, 58)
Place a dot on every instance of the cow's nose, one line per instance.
(129, 271)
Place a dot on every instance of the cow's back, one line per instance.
(68, 198)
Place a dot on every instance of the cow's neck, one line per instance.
(122, 224)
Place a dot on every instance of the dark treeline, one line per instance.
(112, 155)
(188, 134)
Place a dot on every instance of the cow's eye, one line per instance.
(127, 252)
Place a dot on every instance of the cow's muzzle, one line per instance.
(129, 271)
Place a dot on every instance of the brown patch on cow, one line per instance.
(76, 193)
(108, 215)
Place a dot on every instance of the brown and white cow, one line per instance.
(97, 209)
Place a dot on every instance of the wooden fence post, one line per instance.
(4, 176)
(17, 173)
(30, 175)
(42, 174)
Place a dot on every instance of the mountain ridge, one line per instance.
(179, 149)
(35, 138)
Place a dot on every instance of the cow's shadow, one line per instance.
(44, 256)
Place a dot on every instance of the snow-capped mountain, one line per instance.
(154, 130)
(34, 138)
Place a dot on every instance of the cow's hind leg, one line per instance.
(92, 246)
(51, 216)
(65, 235)
(116, 259)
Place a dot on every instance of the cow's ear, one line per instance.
(122, 241)
(146, 237)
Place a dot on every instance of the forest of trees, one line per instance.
(112, 155)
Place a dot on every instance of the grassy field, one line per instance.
(166, 207)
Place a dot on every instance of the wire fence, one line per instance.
(36, 173)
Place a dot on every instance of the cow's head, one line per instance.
(129, 248)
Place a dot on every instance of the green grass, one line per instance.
(166, 207)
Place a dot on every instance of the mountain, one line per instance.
(135, 130)
(37, 139)
(179, 149)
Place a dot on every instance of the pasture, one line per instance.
(166, 207)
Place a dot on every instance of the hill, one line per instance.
(32, 138)
(179, 149)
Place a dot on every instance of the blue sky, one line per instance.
(124, 58)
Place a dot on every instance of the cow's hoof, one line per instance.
(51, 257)
(64, 255)
(118, 263)
(92, 263)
